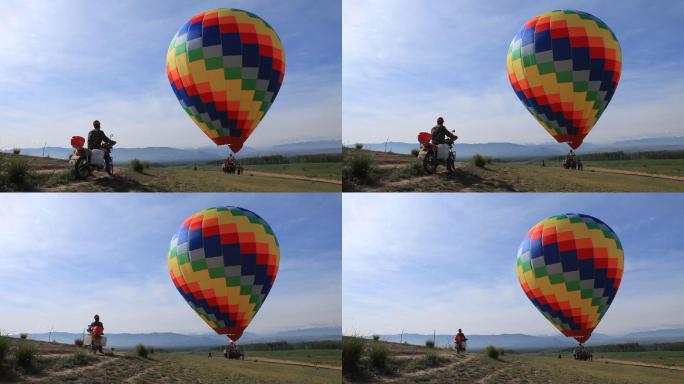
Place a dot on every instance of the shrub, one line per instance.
(18, 175)
(352, 349)
(16, 151)
(136, 165)
(376, 337)
(151, 350)
(416, 169)
(25, 356)
(489, 160)
(80, 358)
(4, 348)
(78, 342)
(378, 355)
(429, 343)
(141, 351)
(501, 351)
(430, 360)
(479, 160)
(362, 167)
(492, 352)
(415, 152)
(146, 164)
(23, 335)
(358, 146)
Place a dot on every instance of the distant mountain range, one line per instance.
(520, 151)
(187, 155)
(528, 342)
(182, 341)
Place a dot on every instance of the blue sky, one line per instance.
(424, 262)
(67, 256)
(406, 62)
(68, 62)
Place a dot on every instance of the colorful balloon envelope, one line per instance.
(565, 66)
(570, 267)
(223, 261)
(226, 67)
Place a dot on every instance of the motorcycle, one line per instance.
(85, 160)
(433, 155)
(461, 347)
(95, 339)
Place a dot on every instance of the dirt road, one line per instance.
(634, 173)
(292, 362)
(639, 364)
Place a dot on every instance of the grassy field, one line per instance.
(673, 358)
(54, 175)
(318, 170)
(317, 356)
(212, 179)
(400, 173)
(404, 366)
(674, 167)
(60, 363)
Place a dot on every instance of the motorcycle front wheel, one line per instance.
(451, 165)
(81, 168)
(430, 163)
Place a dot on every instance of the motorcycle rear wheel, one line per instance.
(430, 163)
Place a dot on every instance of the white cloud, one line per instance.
(424, 262)
(405, 63)
(68, 63)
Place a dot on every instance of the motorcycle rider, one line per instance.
(459, 339)
(440, 133)
(91, 329)
(97, 136)
(96, 323)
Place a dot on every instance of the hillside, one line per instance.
(532, 151)
(406, 364)
(372, 171)
(162, 155)
(45, 174)
(61, 363)
(530, 342)
(180, 341)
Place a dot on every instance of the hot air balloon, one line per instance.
(226, 67)
(565, 66)
(570, 267)
(223, 261)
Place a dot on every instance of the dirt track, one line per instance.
(292, 362)
(639, 364)
(634, 173)
(296, 177)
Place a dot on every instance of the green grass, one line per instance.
(212, 179)
(672, 167)
(315, 356)
(331, 171)
(533, 177)
(393, 175)
(675, 358)
(567, 370)
(220, 370)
